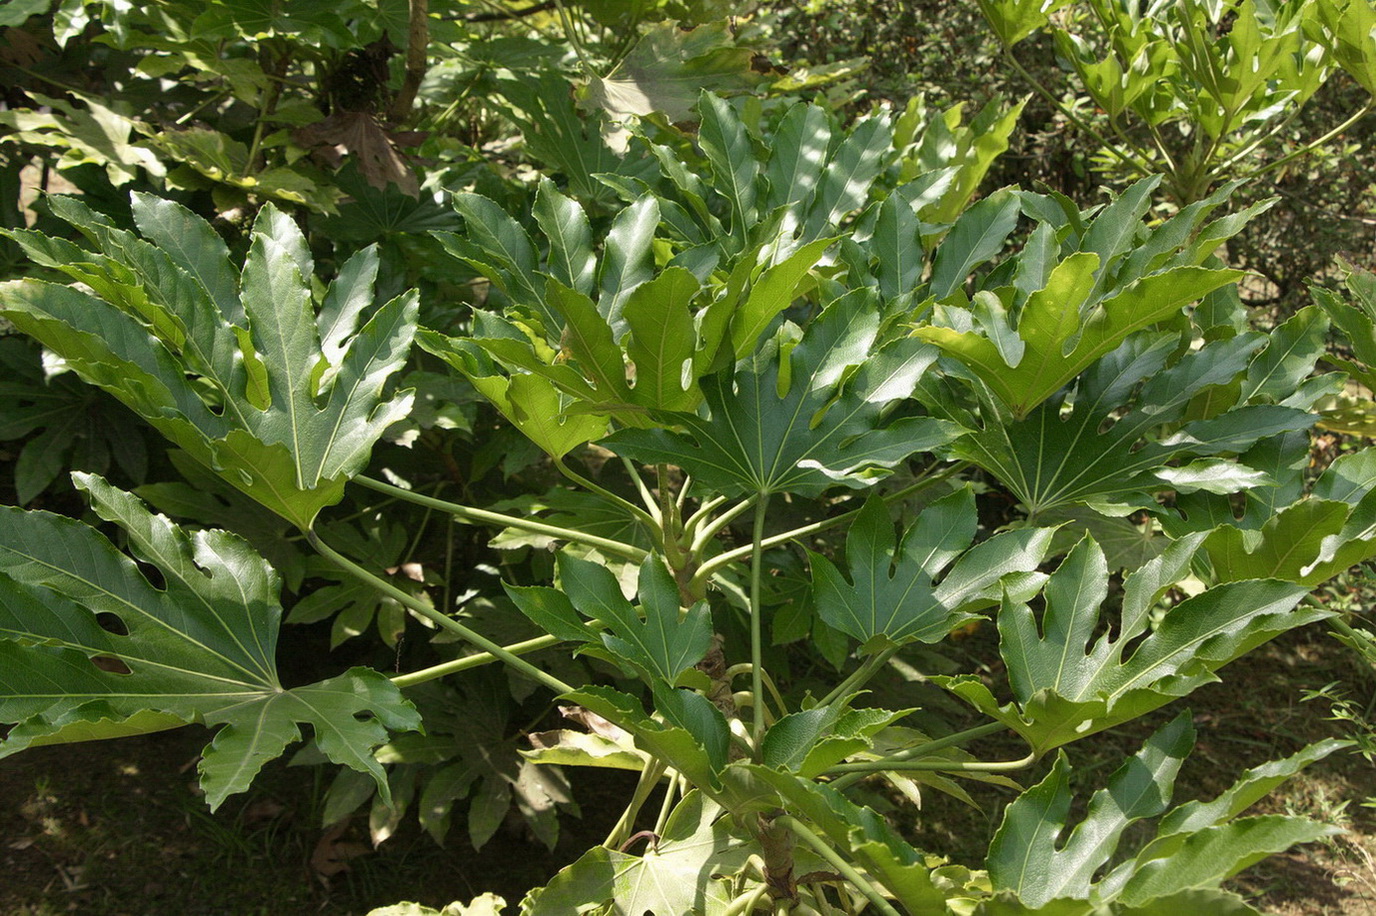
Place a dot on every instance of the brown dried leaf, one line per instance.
(373, 148)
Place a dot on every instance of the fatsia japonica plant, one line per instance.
(793, 362)
(1201, 91)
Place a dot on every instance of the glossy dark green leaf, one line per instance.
(1028, 855)
(767, 435)
(1069, 683)
(892, 590)
(268, 403)
(201, 648)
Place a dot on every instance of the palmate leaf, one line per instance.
(1075, 292)
(199, 649)
(75, 426)
(1061, 332)
(684, 872)
(804, 419)
(1126, 424)
(1069, 684)
(1288, 535)
(892, 590)
(1196, 846)
(237, 369)
(660, 641)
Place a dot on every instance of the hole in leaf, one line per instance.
(111, 664)
(111, 623)
(152, 574)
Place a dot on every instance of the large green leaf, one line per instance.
(1045, 315)
(805, 419)
(1195, 847)
(683, 872)
(1062, 331)
(892, 590)
(89, 648)
(1288, 535)
(1068, 683)
(1025, 855)
(1123, 429)
(238, 370)
(661, 640)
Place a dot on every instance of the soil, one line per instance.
(117, 828)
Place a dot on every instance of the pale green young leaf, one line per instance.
(200, 649)
(532, 403)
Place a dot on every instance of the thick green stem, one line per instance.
(756, 615)
(482, 516)
(649, 776)
(704, 512)
(740, 553)
(711, 529)
(745, 903)
(410, 679)
(667, 806)
(858, 678)
(646, 496)
(636, 512)
(1313, 145)
(955, 739)
(842, 867)
(935, 766)
(420, 607)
